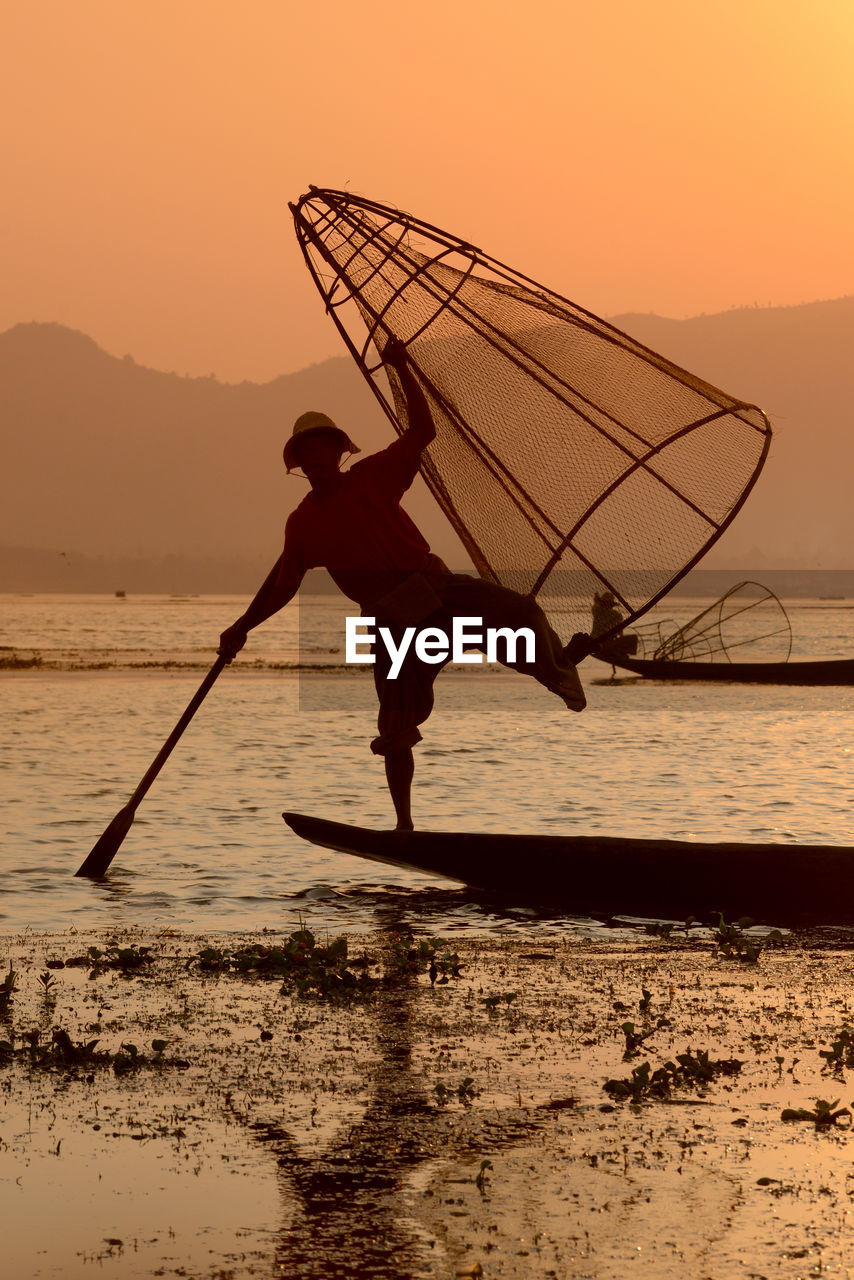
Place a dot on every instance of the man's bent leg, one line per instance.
(501, 607)
(399, 772)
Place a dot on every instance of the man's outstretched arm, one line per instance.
(280, 586)
(421, 428)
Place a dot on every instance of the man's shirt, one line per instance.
(358, 531)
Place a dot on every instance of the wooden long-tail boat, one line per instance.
(837, 671)
(608, 875)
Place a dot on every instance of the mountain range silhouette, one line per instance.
(112, 468)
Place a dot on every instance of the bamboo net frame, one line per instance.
(570, 458)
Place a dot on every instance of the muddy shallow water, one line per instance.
(426, 1130)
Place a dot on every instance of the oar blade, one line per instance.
(108, 844)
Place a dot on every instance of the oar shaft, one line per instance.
(169, 745)
(108, 845)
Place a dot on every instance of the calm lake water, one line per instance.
(208, 849)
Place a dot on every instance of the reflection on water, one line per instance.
(346, 1207)
(343, 1206)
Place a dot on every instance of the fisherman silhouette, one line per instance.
(605, 617)
(351, 523)
(605, 614)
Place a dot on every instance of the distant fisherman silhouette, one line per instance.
(605, 614)
(351, 523)
(605, 617)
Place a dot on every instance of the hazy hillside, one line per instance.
(104, 458)
(107, 458)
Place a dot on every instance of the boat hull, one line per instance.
(602, 875)
(832, 671)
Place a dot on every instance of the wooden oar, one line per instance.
(108, 845)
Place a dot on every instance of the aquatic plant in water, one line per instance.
(8, 987)
(465, 1092)
(731, 941)
(824, 1116)
(425, 956)
(304, 966)
(689, 1069)
(60, 1051)
(841, 1052)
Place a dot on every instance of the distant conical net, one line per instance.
(569, 458)
(747, 624)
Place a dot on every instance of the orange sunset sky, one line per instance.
(671, 156)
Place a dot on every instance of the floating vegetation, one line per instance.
(634, 1039)
(7, 987)
(10, 660)
(303, 966)
(732, 942)
(427, 956)
(825, 1115)
(307, 967)
(47, 983)
(690, 1069)
(667, 928)
(63, 1052)
(126, 960)
(491, 1003)
(841, 1052)
(465, 1092)
(483, 1176)
(191, 1041)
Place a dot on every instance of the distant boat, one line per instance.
(836, 671)
(747, 618)
(120, 595)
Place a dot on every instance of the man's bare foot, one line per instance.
(405, 826)
(578, 648)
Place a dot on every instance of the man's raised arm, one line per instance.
(421, 428)
(280, 586)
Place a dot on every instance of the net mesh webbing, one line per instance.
(569, 458)
(747, 624)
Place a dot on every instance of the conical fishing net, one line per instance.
(569, 458)
(747, 624)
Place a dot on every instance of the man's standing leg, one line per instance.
(399, 772)
(405, 703)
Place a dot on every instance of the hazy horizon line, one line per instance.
(343, 354)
